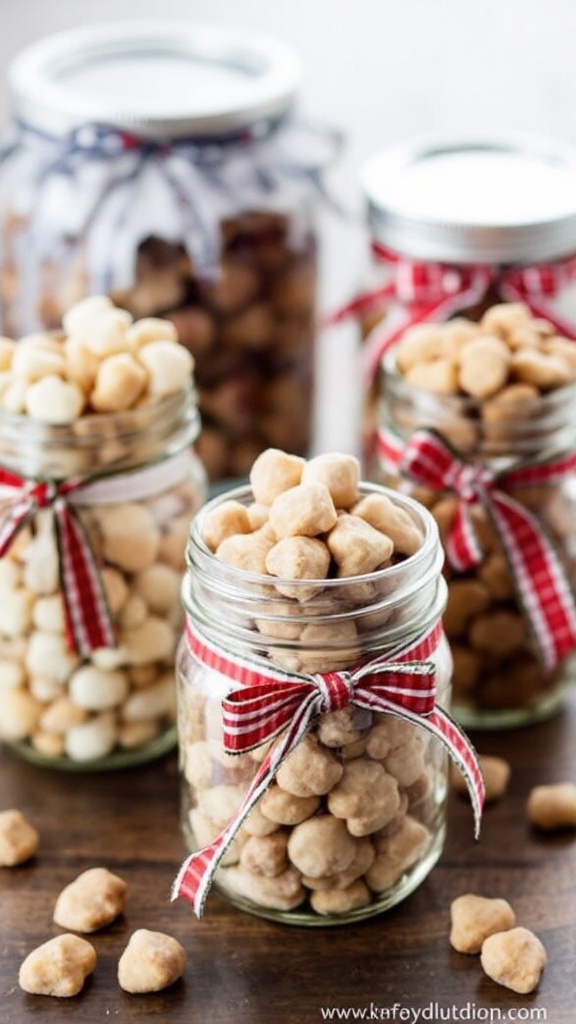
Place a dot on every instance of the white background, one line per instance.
(381, 70)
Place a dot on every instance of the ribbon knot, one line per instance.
(544, 592)
(468, 480)
(267, 704)
(337, 690)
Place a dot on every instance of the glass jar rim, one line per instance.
(502, 198)
(82, 76)
(407, 579)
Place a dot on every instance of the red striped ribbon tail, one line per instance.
(368, 302)
(463, 548)
(463, 755)
(12, 520)
(543, 588)
(88, 622)
(195, 876)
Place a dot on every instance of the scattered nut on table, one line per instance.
(474, 918)
(19, 839)
(59, 967)
(552, 807)
(93, 900)
(150, 962)
(514, 959)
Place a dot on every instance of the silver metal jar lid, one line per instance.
(160, 79)
(496, 199)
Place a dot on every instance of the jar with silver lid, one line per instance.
(474, 370)
(314, 777)
(163, 163)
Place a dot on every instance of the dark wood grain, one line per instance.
(244, 970)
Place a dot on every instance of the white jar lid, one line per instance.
(161, 79)
(496, 199)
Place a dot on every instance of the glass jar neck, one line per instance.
(357, 617)
(102, 442)
(540, 426)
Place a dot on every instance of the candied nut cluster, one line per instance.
(356, 804)
(509, 356)
(552, 807)
(511, 955)
(18, 838)
(93, 900)
(489, 386)
(55, 703)
(58, 967)
(151, 962)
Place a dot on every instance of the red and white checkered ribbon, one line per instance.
(267, 703)
(429, 292)
(88, 622)
(543, 589)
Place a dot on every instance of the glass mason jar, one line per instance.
(468, 255)
(162, 163)
(457, 226)
(353, 819)
(90, 582)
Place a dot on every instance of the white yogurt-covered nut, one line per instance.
(120, 381)
(95, 689)
(16, 608)
(93, 739)
(168, 365)
(79, 318)
(33, 362)
(48, 653)
(148, 329)
(155, 701)
(53, 400)
(159, 586)
(48, 614)
(130, 536)
(152, 640)
(19, 714)
(11, 674)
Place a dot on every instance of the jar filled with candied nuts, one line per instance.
(314, 678)
(476, 384)
(98, 482)
(163, 164)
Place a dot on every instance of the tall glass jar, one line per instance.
(162, 163)
(353, 818)
(475, 241)
(90, 583)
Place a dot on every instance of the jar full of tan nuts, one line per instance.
(98, 482)
(163, 164)
(476, 385)
(314, 678)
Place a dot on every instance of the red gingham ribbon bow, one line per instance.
(430, 292)
(88, 624)
(545, 594)
(269, 702)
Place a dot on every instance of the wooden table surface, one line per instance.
(244, 970)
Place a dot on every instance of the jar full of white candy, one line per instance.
(98, 482)
(314, 682)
